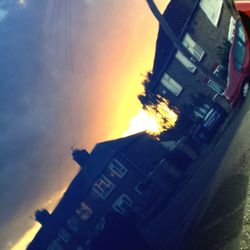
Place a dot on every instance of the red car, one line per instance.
(243, 5)
(238, 82)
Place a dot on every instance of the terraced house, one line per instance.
(205, 29)
(128, 174)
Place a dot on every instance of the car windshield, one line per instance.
(239, 49)
(240, 32)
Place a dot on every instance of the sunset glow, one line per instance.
(142, 122)
(26, 238)
(107, 79)
(154, 121)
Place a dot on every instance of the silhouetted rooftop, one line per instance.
(101, 155)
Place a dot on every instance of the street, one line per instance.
(210, 202)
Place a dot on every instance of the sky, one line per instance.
(70, 73)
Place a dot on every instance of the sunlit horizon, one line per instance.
(154, 121)
(123, 116)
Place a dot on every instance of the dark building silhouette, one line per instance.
(42, 216)
(131, 175)
(80, 156)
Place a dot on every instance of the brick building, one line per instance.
(131, 174)
(205, 28)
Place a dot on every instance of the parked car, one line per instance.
(204, 130)
(243, 6)
(238, 82)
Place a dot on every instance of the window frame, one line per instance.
(173, 86)
(185, 62)
(239, 43)
(84, 211)
(97, 187)
(147, 184)
(118, 168)
(117, 204)
(194, 48)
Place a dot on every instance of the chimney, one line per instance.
(80, 156)
(42, 216)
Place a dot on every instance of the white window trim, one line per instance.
(117, 168)
(193, 47)
(117, 205)
(185, 62)
(97, 187)
(212, 9)
(84, 211)
(231, 29)
(171, 85)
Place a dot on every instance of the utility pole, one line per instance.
(178, 44)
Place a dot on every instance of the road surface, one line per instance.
(208, 208)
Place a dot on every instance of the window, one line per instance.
(103, 187)
(84, 211)
(185, 62)
(212, 9)
(54, 246)
(141, 187)
(239, 53)
(171, 84)
(64, 235)
(74, 223)
(122, 204)
(239, 49)
(117, 168)
(216, 87)
(240, 32)
(193, 47)
(231, 29)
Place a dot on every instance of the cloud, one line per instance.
(3, 14)
(55, 94)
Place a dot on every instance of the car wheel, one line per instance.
(245, 89)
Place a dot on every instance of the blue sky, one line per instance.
(69, 76)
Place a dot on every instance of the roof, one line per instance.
(181, 11)
(101, 155)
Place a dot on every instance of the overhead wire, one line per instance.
(52, 130)
(74, 81)
(34, 85)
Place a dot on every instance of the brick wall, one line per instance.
(212, 39)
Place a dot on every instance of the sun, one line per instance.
(142, 122)
(21, 2)
(154, 120)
